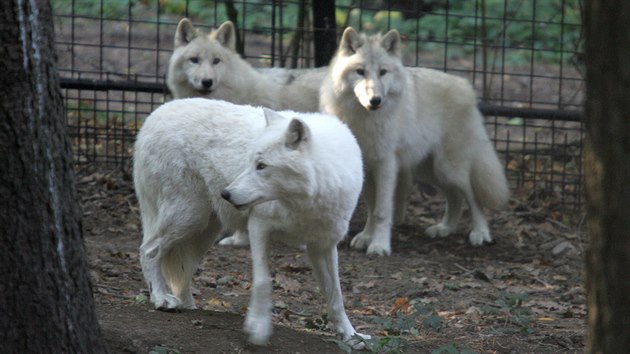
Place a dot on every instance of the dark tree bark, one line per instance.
(607, 169)
(46, 303)
(324, 31)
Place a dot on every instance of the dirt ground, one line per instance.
(522, 294)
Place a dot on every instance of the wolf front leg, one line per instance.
(325, 265)
(380, 185)
(258, 320)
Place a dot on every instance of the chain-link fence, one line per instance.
(523, 57)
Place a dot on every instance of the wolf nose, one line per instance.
(375, 101)
(225, 194)
(206, 83)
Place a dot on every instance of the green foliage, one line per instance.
(510, 306)
(160, 349)
(547, 32)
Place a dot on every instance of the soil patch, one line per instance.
(522, 294)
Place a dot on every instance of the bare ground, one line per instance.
(522, 294)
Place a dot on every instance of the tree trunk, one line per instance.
(46, 303)
(607, 169)
(324, 31)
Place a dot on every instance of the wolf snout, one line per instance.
(375, 102)
(207, 83)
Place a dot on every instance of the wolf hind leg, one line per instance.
(150, 260)
(452, 214)
(480, 231)
(182, 261)
(170, 255)
(403, 186)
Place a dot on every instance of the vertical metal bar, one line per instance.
(157, 35)
(273, 32)
(475, 35)
(72, 39)
(325, 31)
(281, 31)
(417, 33)
(562, 6)
(130, 23)
(532, 55)
(503, 47)
(101, 42)
(445, 68)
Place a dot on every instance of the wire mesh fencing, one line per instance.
(522, 56)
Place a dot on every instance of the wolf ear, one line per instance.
(391, 42)
(297, 134)
(185, 33)
(272, 116)
(350, 41)
(226, 35)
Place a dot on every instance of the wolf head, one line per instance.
(369, 66)
(278, 168)
(198, 59)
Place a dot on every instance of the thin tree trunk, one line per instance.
(46, 303)
(607, 169)
(324, 31)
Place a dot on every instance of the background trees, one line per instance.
(607, 120)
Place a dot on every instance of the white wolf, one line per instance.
(207, 65)
(294, 177)
(411, 123)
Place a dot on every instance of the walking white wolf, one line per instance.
(295, 177)
(410, 123)
(207, 65)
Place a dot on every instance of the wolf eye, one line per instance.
(361, 72)
(383, 72)
(194, 60)
(216, 61)
(260, 166)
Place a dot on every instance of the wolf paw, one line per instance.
(357, 341)
(439, 230)
(379, 250)
(361, 241)
(166, 302)
(478, 237)
(258, 328)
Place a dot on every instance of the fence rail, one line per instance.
(523, 58)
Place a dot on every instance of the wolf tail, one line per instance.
(488, 179)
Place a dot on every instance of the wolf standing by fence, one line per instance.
(207, 65)
(412, 123)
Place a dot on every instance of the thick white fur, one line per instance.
(410, 123)
(295, 177)
(233, 79)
